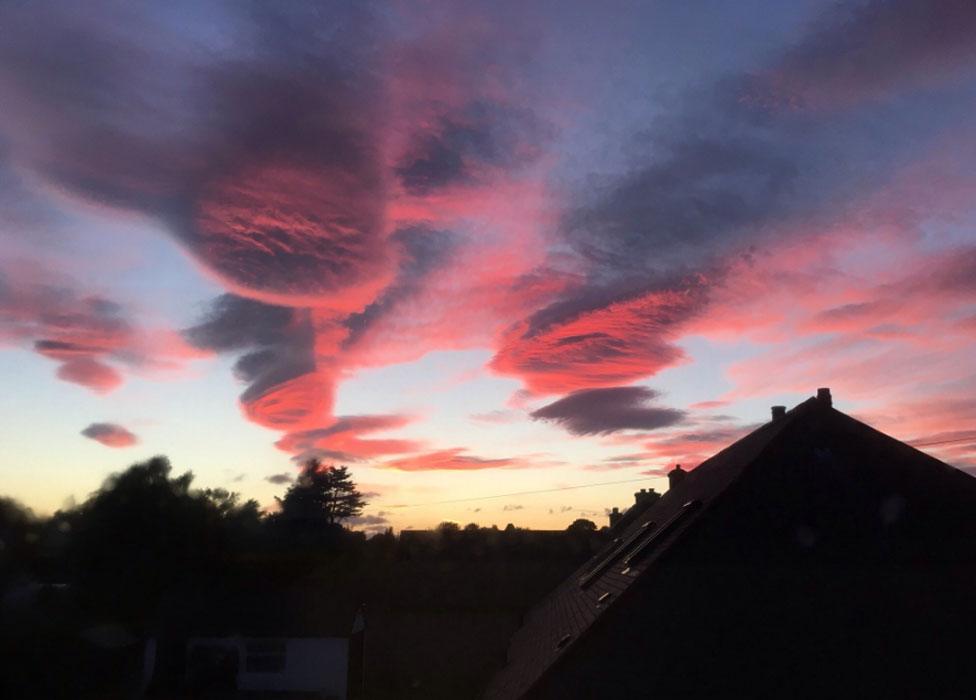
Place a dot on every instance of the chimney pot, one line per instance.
(676, 475)
(823, 394)
(779, 412)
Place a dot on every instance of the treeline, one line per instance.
(147, 530)
(148, 541)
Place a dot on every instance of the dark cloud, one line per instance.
(366, 520)
(871, 49)
(110, 435)
(370, 524)
(236, 323)
(723, 169)
(696, 190)
(464, 142)
(261, 161)
(278, 346)
(279, 479)
(627, 459)
(601, 411)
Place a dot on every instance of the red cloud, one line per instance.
(302, 402)
(614, 344)
(110, 435)
(342, 440)
(297, 236)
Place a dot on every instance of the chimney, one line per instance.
(615, 515)
(779, 412)
(676, 476)
(823, 395)
(647, 496)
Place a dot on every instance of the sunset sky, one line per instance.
(475, 249)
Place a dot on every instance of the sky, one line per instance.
(508, 261)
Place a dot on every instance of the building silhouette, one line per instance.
(815, 557)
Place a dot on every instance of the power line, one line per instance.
(522, 493)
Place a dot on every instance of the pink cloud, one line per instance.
(90, 373)
(613, 344)
(454, 459)
(92, 338)
(342, 439)
(285, 234)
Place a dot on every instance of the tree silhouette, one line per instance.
(146, 530)
(582, 525)
(321, 495)
(18, 537)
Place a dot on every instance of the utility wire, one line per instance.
(523, 493)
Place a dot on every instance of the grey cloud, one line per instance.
(110, 434)
(367, 520)
(235, 323)
(601, 411)
(130, 109)
(482, 133)
(279, 341)
(872, 49)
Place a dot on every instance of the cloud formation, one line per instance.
(342, 441)
(110, 435)
(596, 340)
(92, 338)
(262, 163)
(871, 50)
(454, 459)
(368, 185)
(277, 360)
(603, 411)
(462, 145)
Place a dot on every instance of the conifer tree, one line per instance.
(321, 493)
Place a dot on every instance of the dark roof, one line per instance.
(579, 604)
(628, 517)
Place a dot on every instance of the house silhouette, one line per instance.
(815, 557)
